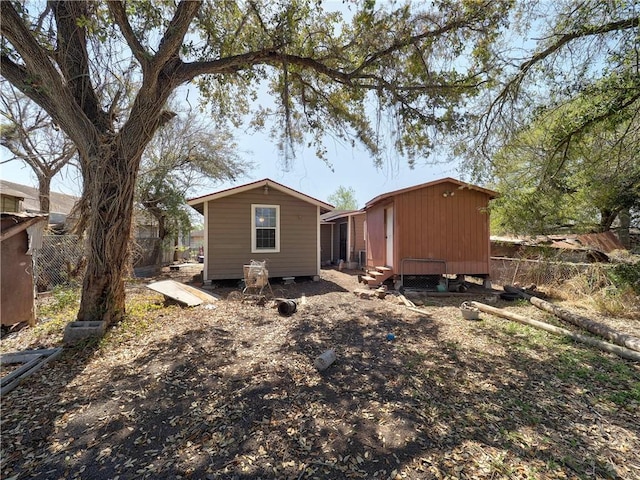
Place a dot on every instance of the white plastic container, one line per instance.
(323, 361)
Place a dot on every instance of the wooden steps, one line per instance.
(375, 276)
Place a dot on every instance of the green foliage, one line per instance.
(63, 300)
(627, 397)
(344, 198)
(583, 187)
(562, 119)
(58, 310)
(626, 275)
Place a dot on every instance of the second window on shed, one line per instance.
(265, 228)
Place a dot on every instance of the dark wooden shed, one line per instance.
(436, 228)
(16, 288)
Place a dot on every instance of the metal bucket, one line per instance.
(286, 308)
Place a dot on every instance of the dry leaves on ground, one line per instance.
(232, 392)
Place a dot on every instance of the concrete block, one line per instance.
(76, 331)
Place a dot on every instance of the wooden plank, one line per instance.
(15, 229)
(13, 379)
(182, 293)
(421, 312)
(406, 301)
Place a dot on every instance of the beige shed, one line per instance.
(262, 220)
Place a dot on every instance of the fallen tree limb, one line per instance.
(604, 331)
(602, 345)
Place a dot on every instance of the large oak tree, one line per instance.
(327, 71)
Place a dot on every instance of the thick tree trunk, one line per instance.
(162, 233)
(597, 328)
(623, 231)
(607, 217)
(110, 187)
(44, 192)
(176, 256)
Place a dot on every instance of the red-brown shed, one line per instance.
(439, 227)
(19, 236)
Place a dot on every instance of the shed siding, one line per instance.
(454, 228)
(17, 302)
(229, 235)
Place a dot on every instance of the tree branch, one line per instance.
(73, 59)
(233, 64)
(177, 29)
(13, 28)
(586, 32)
(582, 127)
(116, 8)
(39, 79)
(412, 40)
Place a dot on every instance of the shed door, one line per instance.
(388, 227)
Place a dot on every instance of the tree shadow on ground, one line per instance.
(237, 396)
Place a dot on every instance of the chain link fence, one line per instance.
(59, 261)
(525, 271)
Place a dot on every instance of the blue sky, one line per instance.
(352, 167)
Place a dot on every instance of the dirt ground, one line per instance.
(231, 392)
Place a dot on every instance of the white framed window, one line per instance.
(265, 228)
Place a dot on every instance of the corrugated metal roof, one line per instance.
(605, 242)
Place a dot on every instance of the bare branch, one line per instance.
(177, 29)
(587, 31)
(73, 59)
(122, 20)
(39, 79)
